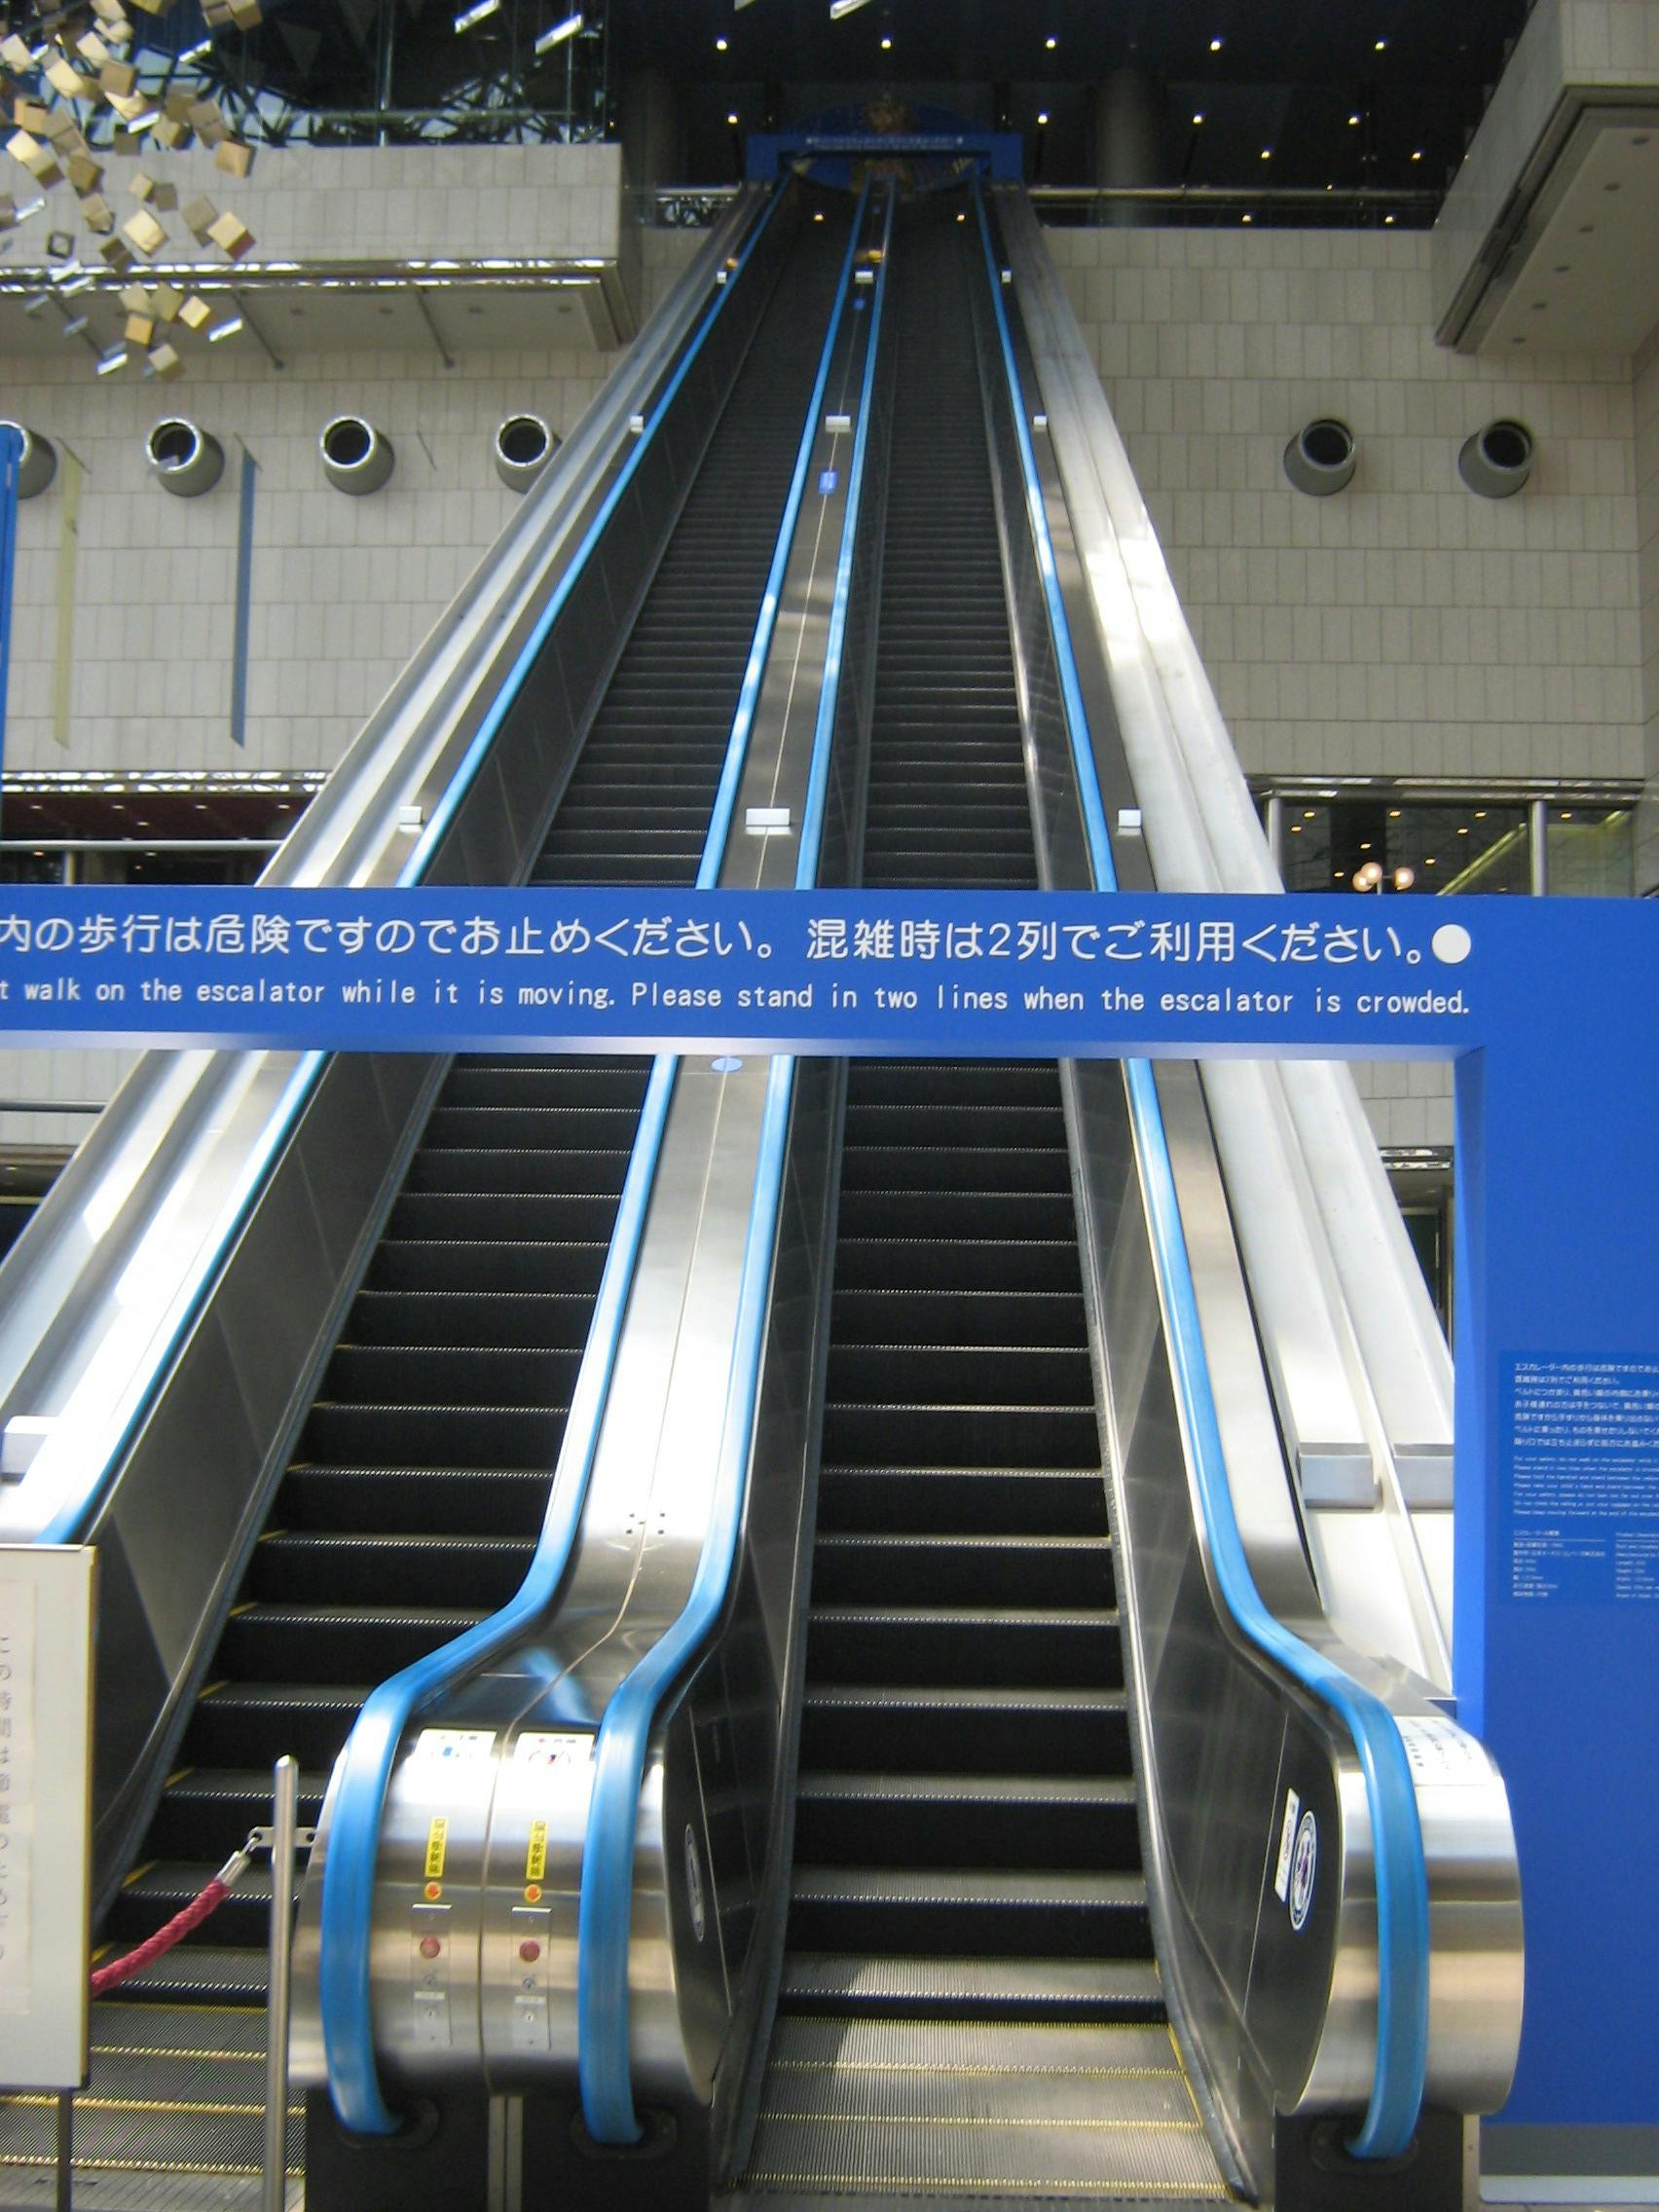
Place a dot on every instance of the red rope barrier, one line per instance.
(157, 1945)
(164, 1940)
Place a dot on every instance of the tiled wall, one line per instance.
(369, 204)
(1405, 626)
(344, 589)
(1647, 509)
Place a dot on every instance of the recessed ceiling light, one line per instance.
(1198, 118)
(887, 46)
(732, 118)
(1247, 218)
(1051, 43)
(1216, 45)
(1388, 218)
(1267, 152)
(1352, 120)
(1382, 42)
(1041, 115)
(1418, 156)
(720, 45)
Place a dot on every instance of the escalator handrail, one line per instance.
(364, 1770)
(1401, 1872)
(75, 1513)
(606, 1909)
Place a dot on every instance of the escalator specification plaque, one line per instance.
(1582, 1439)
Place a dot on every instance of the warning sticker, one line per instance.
(1287, 1840)
(1439, 1752)
(437, 1846)
(535, 1857)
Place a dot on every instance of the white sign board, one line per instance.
(46, 1759)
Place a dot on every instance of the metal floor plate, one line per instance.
(949, 2109)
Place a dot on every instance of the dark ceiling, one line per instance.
(1285, 79)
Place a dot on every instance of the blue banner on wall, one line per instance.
(858, 971)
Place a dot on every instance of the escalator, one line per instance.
(419, 1482)
(968, 2001)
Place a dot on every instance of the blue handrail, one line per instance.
(349, 1870)
(1401, 1874)
(71, 1518)
(604, 1913)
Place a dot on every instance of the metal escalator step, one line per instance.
(1036, 1318)
(451, 1374)
(960, 1820)
(966, 1730)
(322, 1642)
(955, 1167)
(931, 1501)
(236, 1722)
(883, 1434)
(473, 1436)
(960, 1263)
(200, 1973)
(391, 1500)
(607, 1091)
(904, 1123)
(1001, 1085)
(299, 1566)
(570, 1263)
(513, 1217)
(530, 1320)
(944, 1912)
(156, 1889)
(934, 1644)
(990, 1570)
(970, 1989)
(544, 1170)
(208, 1810)
(962, 1374)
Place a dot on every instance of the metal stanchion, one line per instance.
(65, 2151)
(286, 1796)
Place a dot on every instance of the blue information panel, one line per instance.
(984, 972)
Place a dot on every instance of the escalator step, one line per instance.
(235, 1722)
(929, 1645)
(1034, 1501)
(982, 1571)
(992, 1913)
(976, 1730)
(901, 1989)
(395, 1500)
(962, 1374)
(541, 1320)
(970, 1436)
(1039, 1318)
(324, 1643)
(294, 1566)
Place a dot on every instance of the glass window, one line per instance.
(1591, 852)
(1369, 844)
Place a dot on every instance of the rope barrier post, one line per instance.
(285, 1798)
(65, 2151)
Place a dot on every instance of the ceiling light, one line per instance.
(1041, 115)
(226, 329)
(1418, 156)
(732, 118)
(1216, 45)
(115, 358)
(1388, 218)
(840, 8)
(1051, 44)
(559, 32)
(197, 51)
(1246, 218)
(1267, 152)
(887, 46)
(720, 46)
(476, 13)
(1352, 120)
(1197, 119)
(1382, 42)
